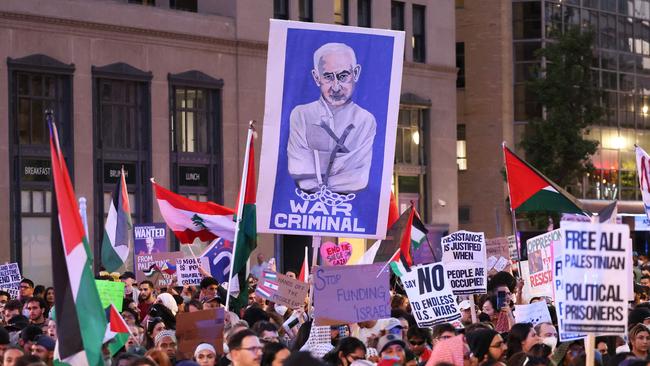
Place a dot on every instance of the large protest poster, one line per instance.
(159, 268)
(498, 256)
(540, 262)
(203, 326)
(464, 257)
(282, 289)
(149, 238)
(430, 294)
(10, 279)
(595, 266)
(350, 294)
(558, 286)
(332, 102)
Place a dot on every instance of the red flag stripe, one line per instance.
(523, 182)
(183, 203)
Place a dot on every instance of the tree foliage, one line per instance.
(555, 144)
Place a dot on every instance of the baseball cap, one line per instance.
(18, 322)
(392, 323)
(47, 342)
(464, 305)
(389, 340)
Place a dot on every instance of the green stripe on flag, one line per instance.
(546, 200)
(417, 237)
(110, 259)
(398, 268)
(92, 318)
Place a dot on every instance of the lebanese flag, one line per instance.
(190, 219)
(79, 312)
(531, 191)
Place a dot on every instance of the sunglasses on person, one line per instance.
(414, 342)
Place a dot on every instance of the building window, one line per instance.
(460, 4)
(143, 2)
(460, 64)
(527, 20)
(397, 15)
(461, 147)
(341, 12)
(281, 9)
(408, 149)
(122, 131)
(36, 83)
(185, 5)
(364, 13)
(464, 214)
(418, 40)
(195, 136)
(306, 10)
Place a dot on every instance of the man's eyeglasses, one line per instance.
(255, 349)
(343, 77)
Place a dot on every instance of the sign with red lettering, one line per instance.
(336, 255)
(540, 262)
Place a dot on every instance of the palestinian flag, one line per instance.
(79, 310)
(117, 331)
(402, 260)
(304, 270)
(418, 232)
(191, 220)
(531, 191)
(115, 245)
(247, 231)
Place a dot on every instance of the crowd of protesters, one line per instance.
(262, 333)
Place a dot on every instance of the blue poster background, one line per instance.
(140, 243)
(375, 54)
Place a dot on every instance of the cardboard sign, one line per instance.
(595, 265)
(159, 268)
(10, 279)
(110, 292)
(350, 294)
(540, 262)
(149, 238)
(498, 256)
(535, 313)
(430, 294)
(464, 257)
(324, 173)
(187, 270)
(282, 289)
(204, 326)
(512, 246)
(336, 255)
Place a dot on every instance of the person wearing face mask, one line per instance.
(391, 350)
(548, 334)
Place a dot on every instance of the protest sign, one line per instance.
(512, 246)
(282, 289)
(463, 254)
(558, 285)
(159, 268)
(219, 255)
(498, 256)
(350, 294)
(203, 326)
(149, 238)
(110, 292)
(430, 294)
(540, 262)
(336, 254)
(535, 313)
(187, 270)
(594, 262)
(329, 174)
(10, 279)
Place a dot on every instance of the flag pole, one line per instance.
(513, 214)
(315, 244)
(240, 205)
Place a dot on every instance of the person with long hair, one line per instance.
(522, 337)
(348, 350)
(49, 298)
(155, 325)
(274, 354)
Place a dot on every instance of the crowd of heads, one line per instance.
(268, 334)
